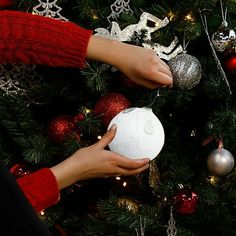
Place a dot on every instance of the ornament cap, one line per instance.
(224, 23)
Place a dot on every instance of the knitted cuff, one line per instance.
(40, 188)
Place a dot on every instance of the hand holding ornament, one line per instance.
(96, 162)
(141, 65)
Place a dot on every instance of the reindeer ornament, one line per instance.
(126, 34)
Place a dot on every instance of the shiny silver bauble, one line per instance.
(220, 162)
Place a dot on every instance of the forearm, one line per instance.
(66, 173)
(106, 50)
(32, 39)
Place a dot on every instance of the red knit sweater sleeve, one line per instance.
(40, 188)
(33, 39)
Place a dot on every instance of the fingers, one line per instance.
(128, 172)
(163, 78)
(164, 69)
(127, 163)
(107, 137)
(151, 84)
(162, 63)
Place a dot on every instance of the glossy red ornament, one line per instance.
(230, 63)
(60, 127)
(127, 82)
(19, 170)
(186, 201)
(110, 105)
(78, 117)
(6, 3)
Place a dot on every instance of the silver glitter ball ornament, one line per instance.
(220, 162)
(186, 71)
(223, 39)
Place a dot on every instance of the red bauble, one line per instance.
(230, 63)
(110, 105)
(186, 201)
(78, 117)
(19, 170)
(127, 82)
(6, 3)
(60, 127)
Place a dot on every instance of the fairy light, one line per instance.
(193, 133)
(99, 137)
(87, 111)
(124, 184)
(157, 24)
(94, 17)
(189, 17)
(118, 178)
(42, 213)
(171, 15)
(212, 179)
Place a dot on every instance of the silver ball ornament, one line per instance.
(220, 162)
(186, 71)
(223, 39)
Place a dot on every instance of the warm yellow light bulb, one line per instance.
(42, 213)
(189, 17)
(87, 110)
(95, 17)
(212, 179)
(171, 16)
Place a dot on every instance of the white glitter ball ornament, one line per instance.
(139, 134)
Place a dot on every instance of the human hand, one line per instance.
(140, 64)
(96, 162)
(143, 66)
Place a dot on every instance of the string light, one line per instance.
(124, 184)
(193, 133)
(99, 137)
(118, 178)
(171, 15)
(189, 17)
(157, 24)
(87, 111)
(212, 179)
(95, 17)
(42, 213)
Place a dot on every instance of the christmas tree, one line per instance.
(49, 113)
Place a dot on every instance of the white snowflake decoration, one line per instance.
(119, 7)
(49, 8)
(126, 34)
(18, 79)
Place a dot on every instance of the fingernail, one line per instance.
(114, 126)
(147, 166)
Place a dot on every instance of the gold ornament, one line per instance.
(130, 204)
(154, 177)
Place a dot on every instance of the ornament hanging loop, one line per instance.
(224, 15)
(153, 101)
(220, 145)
